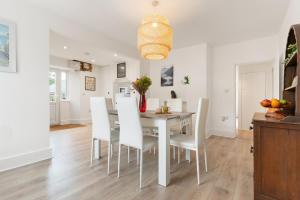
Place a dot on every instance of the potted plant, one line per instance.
(141, 85)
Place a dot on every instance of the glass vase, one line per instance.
(142, 103)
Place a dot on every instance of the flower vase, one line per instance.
(142, 103)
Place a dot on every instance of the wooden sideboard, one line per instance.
(276, 158)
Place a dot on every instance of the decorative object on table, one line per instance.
(276, 107)
(90, 83)
(163, 109)
(8, 57)
(167, 76)
(173, 94)
(121, 70)
(186, 80)
(142, 85)
(291, 51)
(155, 37)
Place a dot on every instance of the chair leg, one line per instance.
(137, 156)
(197, 165)
(128, 159)
(154, 149)
(99, 149)
(205, 157)
(141, 168)
(92, 151)
(111, 150)
(178, 155)
(174, 153)
(119, 160)
(108, 157)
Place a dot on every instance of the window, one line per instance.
(52, 86)
(58, 85)
(64, 85)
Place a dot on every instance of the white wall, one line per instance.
(191, 61)
(225, 58)
(24, 102)
(292, 17)
(108, 76)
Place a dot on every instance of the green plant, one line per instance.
(142, 84)
(291, 50)
(186, 80)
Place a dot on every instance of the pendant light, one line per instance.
(155, 37)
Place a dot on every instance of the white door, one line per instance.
(54, 96)
(255, 85)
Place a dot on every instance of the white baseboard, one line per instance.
(25, 159)
(222, 133)
(79, 121)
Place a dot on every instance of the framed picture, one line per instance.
(90, 83)
(167, 76)
(121, 70)
(122, 90)
(8, 57)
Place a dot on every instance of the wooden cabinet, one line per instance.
(276, 158)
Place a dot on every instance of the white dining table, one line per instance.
(163, 122)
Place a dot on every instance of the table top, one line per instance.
(149, 114)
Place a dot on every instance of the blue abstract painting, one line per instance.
(4, 45)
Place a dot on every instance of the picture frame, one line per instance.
(167, 76)
(90, 83)
(121, 70)
(8, 51)
(123, 90)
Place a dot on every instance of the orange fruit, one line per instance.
(275, 103)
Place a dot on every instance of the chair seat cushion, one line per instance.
(149, 141)
(183, 140)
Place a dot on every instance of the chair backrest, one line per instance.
(152, 104)
(100, 119)
(131, 133)
(175, 105)
(109, 103)
(200, 124)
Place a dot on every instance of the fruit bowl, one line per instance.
(275, 107)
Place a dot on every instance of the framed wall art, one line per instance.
(121, 70)
(167, 76)
(8, 57)
(90, 83)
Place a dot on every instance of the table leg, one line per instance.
(164, 153)
(97, 149)
(190, 130)
(188, 155)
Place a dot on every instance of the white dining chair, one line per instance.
(152, 104)
(198, 140)
(175, 105)
(112, 118)
(131, 132)
(101, 128)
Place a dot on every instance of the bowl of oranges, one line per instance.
(275, 107)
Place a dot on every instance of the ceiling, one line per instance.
(193, 21)
(65, 47)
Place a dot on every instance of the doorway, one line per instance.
(254, 83)
(58, 91)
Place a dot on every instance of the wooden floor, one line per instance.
(68, 175)
(63, 127)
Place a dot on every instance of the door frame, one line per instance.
(237, 87)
